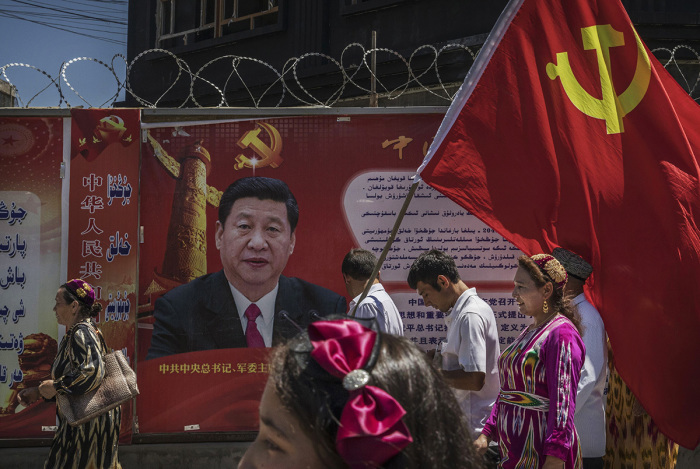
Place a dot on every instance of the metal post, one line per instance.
(373, 98)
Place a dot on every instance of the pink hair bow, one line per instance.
(371, 430)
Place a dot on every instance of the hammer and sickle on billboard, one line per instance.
(612, 107)
(268, 155)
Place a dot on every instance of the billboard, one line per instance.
(31, 152)
(68, 208)
(350, 175)
(103, 222)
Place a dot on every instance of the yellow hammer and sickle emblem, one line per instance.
(612, 107)
(270, 155)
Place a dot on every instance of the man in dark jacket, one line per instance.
(248, 303)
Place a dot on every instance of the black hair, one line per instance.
(359, 264)
(441, 438)
(429, 265)
(261, 188)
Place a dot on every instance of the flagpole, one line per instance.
(462, 95)
(460, 98)
(389, 242)
(473, 76)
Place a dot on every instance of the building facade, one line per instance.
(8, 94)
(266, 53)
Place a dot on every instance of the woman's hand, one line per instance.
(46, 389)
(28, 396)
(481, 444)
(553, 462)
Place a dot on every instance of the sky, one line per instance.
(44, 34)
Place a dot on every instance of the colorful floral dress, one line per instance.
(79, 368)
(534, 414)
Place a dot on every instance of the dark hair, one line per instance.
(263, 189)
(359, 264)
(429, 265)
(441, 438)
(558, 301)
(85, 311)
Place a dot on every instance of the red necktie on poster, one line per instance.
(252, 334)
(568, 132)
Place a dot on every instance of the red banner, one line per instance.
(168, 385)
(568, 132)
(103, 221)
(30, 258)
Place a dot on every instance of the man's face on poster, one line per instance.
(255, 244)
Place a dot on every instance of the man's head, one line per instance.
(577, 268)
(255, 233)
(435, 277)
(357, 268)
(263, 189)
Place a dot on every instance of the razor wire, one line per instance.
(216, 77)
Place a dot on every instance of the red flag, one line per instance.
(568, 132)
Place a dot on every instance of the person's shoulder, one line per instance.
(370, 302)
(561, 334)
(297, 293)
(84, 331)
(476, 305)
(376, 293)
(307, 287)
(190, 297)
(197, 286)
(563, 330)
(590, 317)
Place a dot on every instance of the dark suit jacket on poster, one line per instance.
(201, 315)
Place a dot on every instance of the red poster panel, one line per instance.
(316, 156)
(350, 175)
(227, 389)
(30, 250)
(103, 221)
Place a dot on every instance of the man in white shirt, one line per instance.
(590, 398)
(470, 352)
(357, 268)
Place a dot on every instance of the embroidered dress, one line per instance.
(534, 414)
(79, 368)
(633, 439)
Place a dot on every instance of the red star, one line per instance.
(9, 140)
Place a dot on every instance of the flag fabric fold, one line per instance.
(568, 132)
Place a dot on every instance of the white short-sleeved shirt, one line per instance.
(472, 345)
(387, 314)
(590, 396)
